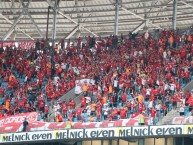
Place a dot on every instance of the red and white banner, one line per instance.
(15, 123)
(182, 120)
(79, 83)
(5, 44)
(26, 44)
(19, 118)
(22, 44)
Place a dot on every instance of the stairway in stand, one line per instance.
(168, 118)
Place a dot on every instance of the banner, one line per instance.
(19, 118)
(22, 44)
(9, 44)
(99, 133)
(26, 44)
(39, 126)
(182, 120)
(79, 83)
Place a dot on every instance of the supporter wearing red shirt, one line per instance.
(124, 97)
(46, 109)
(64, 110)
(83, 102)
(123, 114)
(41, 105)
(99, 108)
(60, 118)
(174, 101)
(79, 113)
(72, 104)
(114, 113)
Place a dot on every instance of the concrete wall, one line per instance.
(189, 86)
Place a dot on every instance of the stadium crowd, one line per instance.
(129, 75)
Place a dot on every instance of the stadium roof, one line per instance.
(28, 19)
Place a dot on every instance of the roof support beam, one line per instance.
(67, 17)
(11, 29)
(186, 3)
(25, 11)
(34, 23)
(125, 9)
(139, 27)
(72, 32)
(10, 22)
(174, 14)
(82, 6)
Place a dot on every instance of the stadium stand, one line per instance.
(127, 76)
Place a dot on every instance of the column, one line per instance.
(174, 14)
(116, 17)
(141, 141)
(54, 23)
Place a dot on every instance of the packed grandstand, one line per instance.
(117, 77)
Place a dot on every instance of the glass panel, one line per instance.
(170, 141)
(159, 141)
(96, 142)
(86, 142)
(105, 142)
(134, 143)
(114, 142)
(122, 142)
(149, 141)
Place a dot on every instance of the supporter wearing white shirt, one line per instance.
(150, 104)
(92, 81)
(57, 66)
(56, 108)
(56, 79)
(135, 53)
(81, 56)
(115, 82)
(164, 54)
(143, 82)
(88, 108)
(78, 88)
(63, 65)
(157, 82)
(106, 111)
(140, 53)
(158, 107)
(181, 109)
(172, 88)
(166, 87)
(76, 71)
(88, 100)
(148, 91)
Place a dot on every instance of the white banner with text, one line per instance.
(99, 133)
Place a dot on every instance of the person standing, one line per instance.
(25, 125)
(142, 118)
(68, 124)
